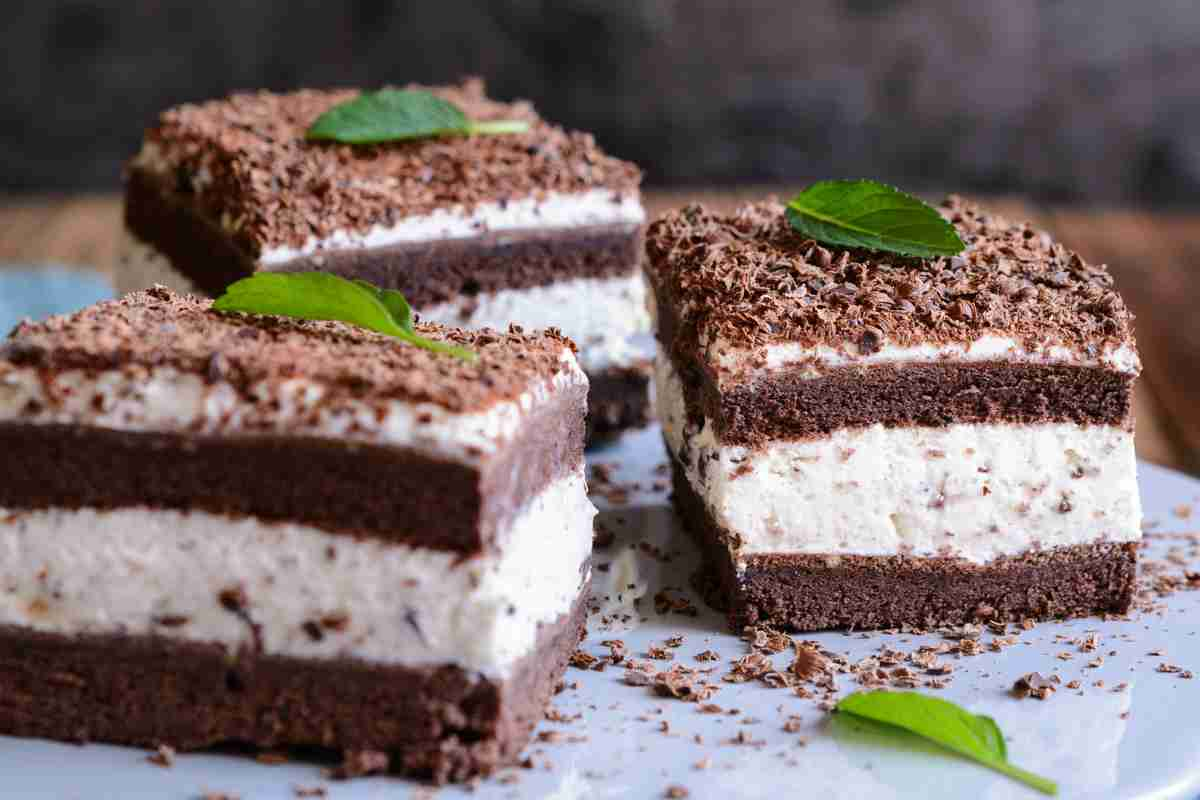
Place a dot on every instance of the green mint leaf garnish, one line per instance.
(390, 115)
(942, 722)
(321, 296)
(874, 216)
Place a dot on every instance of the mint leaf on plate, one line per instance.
(874, 216)
(974, 736)
(322, 296)
(390, 115)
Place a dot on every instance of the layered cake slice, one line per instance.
(231, 528)
(866, 440)
(537, 227)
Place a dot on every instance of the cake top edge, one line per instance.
(157, 328)
(748, 281)
(244, 160)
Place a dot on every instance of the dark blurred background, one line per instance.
(1094, 101)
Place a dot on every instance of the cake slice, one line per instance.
(538, 227)
(231, 528)
(862, 440)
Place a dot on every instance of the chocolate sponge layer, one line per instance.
(439, 721)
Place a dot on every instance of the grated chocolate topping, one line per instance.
(751, 280)
(158, 328)
(249, 166)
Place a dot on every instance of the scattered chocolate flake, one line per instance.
(582, 660)
(163, 756)
(808, 663)
(744, 738)
(616, 650)
(1171, 669)
(748, 668)
(792, 724)
(659, 653)
(309, 791)
(969, 647)
(967, 631)
(767, 639)
(676, 791)
(1183, 511)
(708, 655)
(1033, 685)
(172, 620)
(664, 603)
(674, 641)
(635, 677)
(554, 715)
(683, 683)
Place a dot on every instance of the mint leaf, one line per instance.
(974, 736)
(394, 302)
(322, 296)
(390, 115)
(873, 216)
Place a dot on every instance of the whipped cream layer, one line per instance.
(602, 315)
(164, 399)
(814, 361)
(551, 211)
(309, 594)
(975, 492)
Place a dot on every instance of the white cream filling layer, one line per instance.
(810, 361)
(601, 315)
(311, 594)
(550, 211)
(976, 492)
(165, 399)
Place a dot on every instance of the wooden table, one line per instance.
(1155, 258)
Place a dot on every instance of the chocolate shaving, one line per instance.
(158, 328)
(245, 161)
(750, 280)
(1033, 685)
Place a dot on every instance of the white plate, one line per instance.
(1138, 743)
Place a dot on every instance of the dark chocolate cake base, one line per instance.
(618, 400)
(822, 592)
(436, 722)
